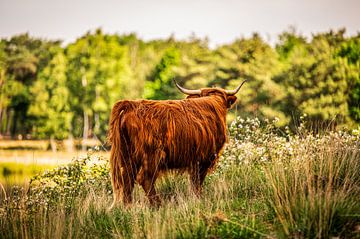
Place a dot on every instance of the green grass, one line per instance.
(268, 184)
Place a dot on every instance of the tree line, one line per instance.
(48, 90)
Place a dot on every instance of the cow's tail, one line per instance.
(114, 138)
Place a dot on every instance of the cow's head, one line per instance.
(228, 95)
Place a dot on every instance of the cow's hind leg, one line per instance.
(116, 195)
(115, 174)
(128, 176)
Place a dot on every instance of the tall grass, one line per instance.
(316, 194)
(270, 183)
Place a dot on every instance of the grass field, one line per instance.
(269, 183)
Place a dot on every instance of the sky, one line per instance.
(221, 21)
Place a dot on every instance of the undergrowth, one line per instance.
(269, 183)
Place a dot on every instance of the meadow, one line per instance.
(270, 183)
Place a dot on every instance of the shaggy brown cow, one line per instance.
(149, 137)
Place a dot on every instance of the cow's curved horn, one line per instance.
(186, 91)
(233, 92)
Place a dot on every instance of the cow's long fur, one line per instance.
(149, 137)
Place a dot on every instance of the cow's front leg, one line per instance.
(147, 179)
(149, 187)
(197, 175)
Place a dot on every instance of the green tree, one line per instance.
(314, 80)
(198, 63)
(256, 61)
(98, 75)
(50, 100)
(50, 91)
(4, 96)
(160, 85)
(143, 57)
(288, 41)
(350, 52)
(25, 56)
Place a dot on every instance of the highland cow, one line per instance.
(149, 137)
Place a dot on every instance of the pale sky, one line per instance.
(221, 21)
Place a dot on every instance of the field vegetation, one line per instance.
(270, 182)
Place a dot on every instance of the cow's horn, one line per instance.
(233, 92)
(186, 91)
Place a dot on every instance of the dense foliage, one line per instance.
(270, 183)
(48, 90)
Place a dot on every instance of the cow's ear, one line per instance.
(231, 100)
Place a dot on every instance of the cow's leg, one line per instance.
(195, 178)
(128, 176)
(115, 174)
(198, 174)
(148, 184)
(123, 180)
(147, 178)
(116, 193)
(149, 173)
(202, 175)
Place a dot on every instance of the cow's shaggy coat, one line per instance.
(149, 137)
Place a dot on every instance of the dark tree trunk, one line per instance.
(14, 126)
(1, 121)
(8, 122)
(85, 131)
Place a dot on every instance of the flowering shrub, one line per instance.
(63, 185)
(254, 141)
(67, 183)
